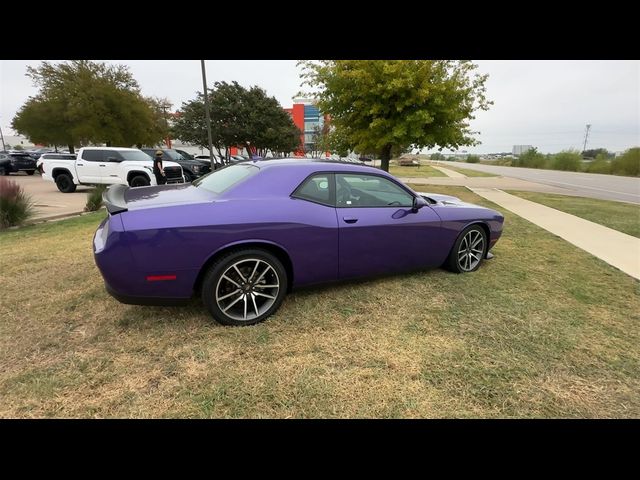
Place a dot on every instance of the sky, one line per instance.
(546, 104)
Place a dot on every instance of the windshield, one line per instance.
(134, 156)
(223, 179)
(173, 155)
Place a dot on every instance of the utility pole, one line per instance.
(586, 136)
(208, 115)
(1, 135)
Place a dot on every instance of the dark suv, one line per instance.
(16, 162)
(192, 169)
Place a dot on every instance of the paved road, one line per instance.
(49, 201)
(593, 185)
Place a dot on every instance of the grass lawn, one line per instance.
(467, 172)
(624, 217)
(542, 330)
(415, 172)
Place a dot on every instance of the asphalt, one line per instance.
(49, 202)
(592, 185)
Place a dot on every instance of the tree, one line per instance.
(379, 105)
(83, 102)
(239, 116)
(594, 152)
(437, 156)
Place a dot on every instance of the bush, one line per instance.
(94, 198)
(599, 165)
(15, 205)
(628, 163)
(473, 159)
(530, 159)
(569, 160)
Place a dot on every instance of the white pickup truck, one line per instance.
(106, 165)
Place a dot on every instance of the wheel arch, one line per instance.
(277, 250)
(59, 171)
(486, 229)
(135, 173)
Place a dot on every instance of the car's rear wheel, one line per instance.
(65, 184)
(244, 287)
(139, 181)
(468, 251)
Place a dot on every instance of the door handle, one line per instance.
(102, 165)
(79, 164)
(350, 219)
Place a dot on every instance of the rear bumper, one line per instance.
(149, 301)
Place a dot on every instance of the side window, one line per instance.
(356, 190)
(93, 155)
(317, 188)
(112, 154)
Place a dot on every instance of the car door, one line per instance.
(379, 232)
(111, 173)
(90, 166)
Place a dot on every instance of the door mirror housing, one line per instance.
(418, 203)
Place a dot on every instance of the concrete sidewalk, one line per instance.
(616, 248)
(449, 173)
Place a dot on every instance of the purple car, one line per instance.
(245, 235)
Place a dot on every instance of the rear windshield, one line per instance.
(223, 179)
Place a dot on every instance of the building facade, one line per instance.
(520, 149)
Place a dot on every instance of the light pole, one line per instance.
(208, 115)
(1, 135)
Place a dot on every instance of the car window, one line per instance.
(357, 190)
(93, 155)
(316, 188)
(133, 156)
(223, 179)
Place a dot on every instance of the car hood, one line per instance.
(447, 200)
(120, 198)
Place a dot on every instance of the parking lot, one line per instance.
(49, 201)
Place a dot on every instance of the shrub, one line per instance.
(530, 159)
(568, 160)
(628, 163)
(15, 205)
(94, 198)
(599, 165)
(473, 159)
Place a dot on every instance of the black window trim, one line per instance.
(332, 189)
(373, 174)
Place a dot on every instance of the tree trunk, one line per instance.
(385, 156)
(71, 150)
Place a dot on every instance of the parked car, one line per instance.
(184, 154)
(218, 161)
(245, 235)
(35, 153)
(16, 162)
(192, 168)
(107, 166)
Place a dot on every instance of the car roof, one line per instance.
(119, 149)
(312, 163)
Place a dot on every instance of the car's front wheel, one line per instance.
(244, 287)
(468, 251)
(140, 181)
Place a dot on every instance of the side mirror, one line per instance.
(418, 203)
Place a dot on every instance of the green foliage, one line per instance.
(239, 116)
(595, 152)
(15, 205)
(600, 165)
(473, 159)
(530, 159)
(377, 105)
(83, 102)
(437, 156)
(568, 160)
(94, 198)
(628, 163)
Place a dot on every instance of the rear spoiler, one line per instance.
(114, 200)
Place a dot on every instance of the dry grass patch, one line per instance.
(542, 330)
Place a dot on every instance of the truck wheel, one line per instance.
(139, 181)
(30, 172)
(65, 183)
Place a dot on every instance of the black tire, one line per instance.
(30, 172)
(188, 178)
(3, 172)
(65, 183)
(139, 181)
(255, 300)
(461, 262)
